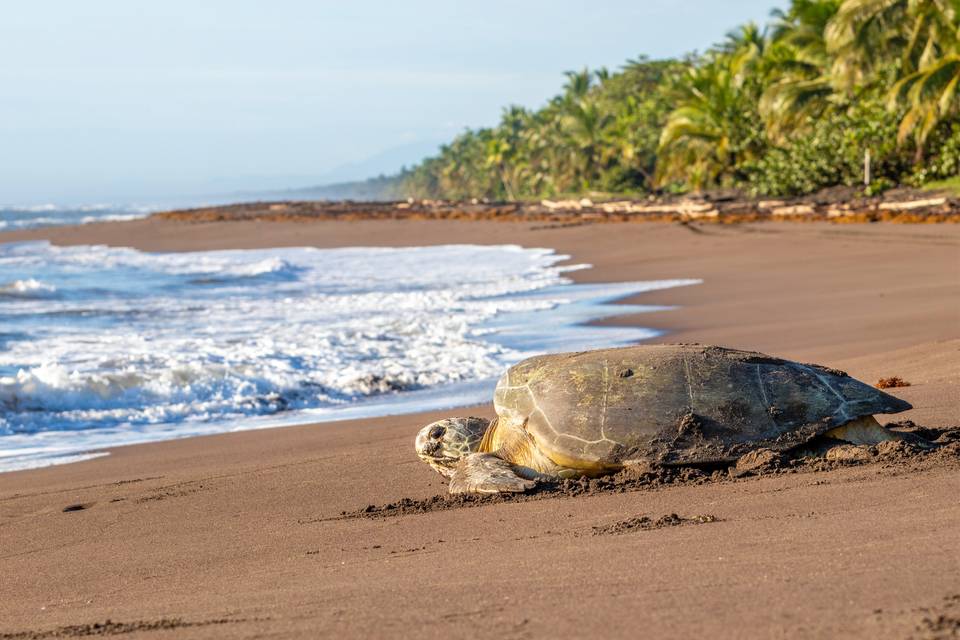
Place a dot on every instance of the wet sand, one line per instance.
(240, 535)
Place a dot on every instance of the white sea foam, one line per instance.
(126, 346)
(46, 215)
(28, 288)
(49, 206)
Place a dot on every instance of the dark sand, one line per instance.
(240, 535)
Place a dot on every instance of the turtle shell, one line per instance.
(677, 404)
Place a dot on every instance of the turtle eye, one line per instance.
(437, 432)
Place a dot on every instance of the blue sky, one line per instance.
(122, 100)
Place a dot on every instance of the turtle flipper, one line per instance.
(865, 430)
(486, 473)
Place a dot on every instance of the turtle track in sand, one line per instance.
(111, 628)
(901, 456)
(645, 523)
(938, 621)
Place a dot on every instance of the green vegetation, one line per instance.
(784, 110)
(951, 184)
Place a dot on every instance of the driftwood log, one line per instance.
(900, 207)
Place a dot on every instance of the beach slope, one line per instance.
(242, 535)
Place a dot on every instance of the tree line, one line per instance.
(786, 109)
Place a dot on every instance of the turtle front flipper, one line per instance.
(486, 473)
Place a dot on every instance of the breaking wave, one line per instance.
(47, 215)
(28, 288)
(106, 346)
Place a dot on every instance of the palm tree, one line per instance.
(504, 150)
(578, 84)
(863, 37)
(703, 138)
(932, 60)
(800, 86)
(583, 125)
(714, 128)
(921, 36)
(743, 47)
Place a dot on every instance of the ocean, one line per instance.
(48, 215)
(104, 346)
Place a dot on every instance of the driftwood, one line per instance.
(901, 206)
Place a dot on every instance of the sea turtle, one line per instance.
(592, 413)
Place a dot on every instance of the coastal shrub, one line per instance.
(830, 152)
(779, 110)
(944, 162)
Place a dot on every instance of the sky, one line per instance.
(132, 101)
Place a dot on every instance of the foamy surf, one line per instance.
(125, 347)
(28, 288)
(48, 215)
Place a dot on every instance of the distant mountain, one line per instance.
(384, 163)
(379, 188)
(376, 178)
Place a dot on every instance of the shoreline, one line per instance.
(249, 519)
(577, 315)
(718, 254)
(165, 235)
(845, 206)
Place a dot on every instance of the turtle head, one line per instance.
(441, 444)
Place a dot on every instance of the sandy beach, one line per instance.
(241, 535)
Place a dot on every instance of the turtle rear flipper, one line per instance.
(865, 430)
(486, 473)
